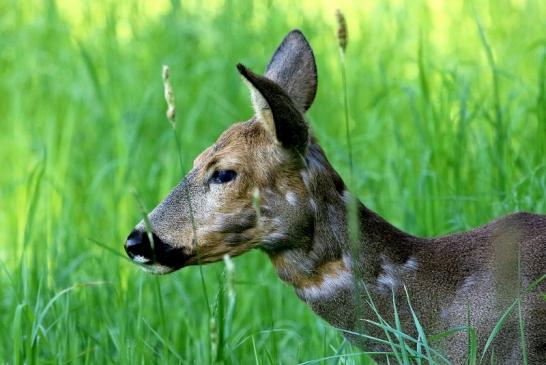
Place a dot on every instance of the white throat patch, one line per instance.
(330, 284)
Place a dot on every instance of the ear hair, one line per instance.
(260, 105)
(275, 109)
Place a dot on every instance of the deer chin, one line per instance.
(165, 262)
(169, 258)
(156, 269)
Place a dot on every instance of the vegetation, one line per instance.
(447, 106)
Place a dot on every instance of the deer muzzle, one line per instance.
(154, 255)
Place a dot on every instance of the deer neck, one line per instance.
(325, 266)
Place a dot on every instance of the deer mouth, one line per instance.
(155, 256)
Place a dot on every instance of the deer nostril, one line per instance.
(138, 246)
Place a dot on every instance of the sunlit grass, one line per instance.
(82, 117)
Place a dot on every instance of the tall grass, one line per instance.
(82, 120)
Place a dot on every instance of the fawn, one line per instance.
(301, 223)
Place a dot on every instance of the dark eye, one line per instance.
(222, 176)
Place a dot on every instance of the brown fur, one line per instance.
(299, 219)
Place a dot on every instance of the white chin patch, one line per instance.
(141, 260)
(156, 269)
(145, 264)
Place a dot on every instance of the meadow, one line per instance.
(447, 105)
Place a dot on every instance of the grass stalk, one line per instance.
(500, 128)
(418, 326)
(399, 330)
(34, 186)
(353, 224)
(171, 117)
(541, 99)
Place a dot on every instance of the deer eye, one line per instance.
(222, 176)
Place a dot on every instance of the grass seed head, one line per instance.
(341, 30)
(169, 95)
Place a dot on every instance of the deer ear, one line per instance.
(276, 111)
(294, 69)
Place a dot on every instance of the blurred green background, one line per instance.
(448, 120)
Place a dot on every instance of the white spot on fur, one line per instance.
(411, 264)
(138, 259)
(291, 198)
(329, 285)
(469, 282)
(387, 282)
(392, 275)
(275, 236)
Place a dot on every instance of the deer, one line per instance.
(301, 221)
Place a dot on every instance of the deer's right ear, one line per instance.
(276, 111)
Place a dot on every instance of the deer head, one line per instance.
(247, 190)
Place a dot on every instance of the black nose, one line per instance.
(138, 246)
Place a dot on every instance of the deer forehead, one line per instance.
(250, 148)
(239, 142)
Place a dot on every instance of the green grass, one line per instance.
(448, 129)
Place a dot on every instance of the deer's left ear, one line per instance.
(276, 111)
